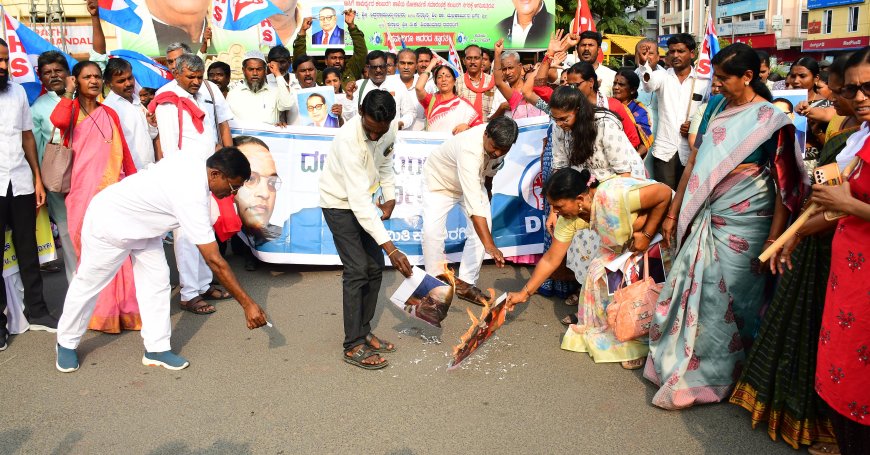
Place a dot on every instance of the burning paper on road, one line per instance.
(426, 297)
(491, 318)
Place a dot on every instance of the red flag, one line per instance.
(582, 18)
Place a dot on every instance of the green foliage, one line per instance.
(610, 16)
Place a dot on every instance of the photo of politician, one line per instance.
(329, 19)
(529, 26)
(256, 198)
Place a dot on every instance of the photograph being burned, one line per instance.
(426, 297)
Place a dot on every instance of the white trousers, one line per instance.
(436, 206)
(193, 273)
(101, 259)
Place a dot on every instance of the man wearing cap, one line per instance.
(255, 100)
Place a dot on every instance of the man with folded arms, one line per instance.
(455, 174)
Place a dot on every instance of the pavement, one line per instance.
(285, 390)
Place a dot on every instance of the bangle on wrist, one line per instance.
(645, 234)
(671, 217)
(527, 291)
(390, 254)
(769, 241)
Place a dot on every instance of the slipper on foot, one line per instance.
(356, 358)
(384, 344)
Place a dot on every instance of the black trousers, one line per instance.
(668, 172)
(19, 213)
(363, 264)
(852, 437)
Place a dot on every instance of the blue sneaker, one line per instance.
(165, 359)
(67, 359)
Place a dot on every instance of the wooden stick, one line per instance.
(811, 210)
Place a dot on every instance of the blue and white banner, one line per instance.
(284, 224)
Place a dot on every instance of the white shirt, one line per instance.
(420, 117)
(348, 106)
(14, 119)
(355, 168)
(853, 145)
(170, 194)
(518, 33)
(458, 166)
(675, 106)
(264, 106)
(192, 140)
(406, 109)
(137, 132)
(605, 77)
(649, 99)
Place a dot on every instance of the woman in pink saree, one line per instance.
(100, 158)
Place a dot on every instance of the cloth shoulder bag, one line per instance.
(56, 167)
(630, 312)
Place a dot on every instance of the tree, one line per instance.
(610, 15)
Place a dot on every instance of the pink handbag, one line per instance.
(630, 312)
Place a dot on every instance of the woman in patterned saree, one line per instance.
(446, 111)
(587, 137)
(737, 191)
(622, 211)
(777, 383)
(100, 158)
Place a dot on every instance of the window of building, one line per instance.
(667, 6)
(805, 20)
(651, 14)
(686, 5)
(827, 21)
(745, 17)
(853, 19)
(758, 15)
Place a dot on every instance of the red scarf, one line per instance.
(478, 100)
(182, 104)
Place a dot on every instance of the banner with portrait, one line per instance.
(412, 23)
(44, 244)
(283, 223)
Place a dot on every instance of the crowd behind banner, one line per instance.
(663, 180)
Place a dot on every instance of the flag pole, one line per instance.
(3, 19)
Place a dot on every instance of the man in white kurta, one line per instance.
(455, 174)
(256, 100)
(184, 137)
(406, 106)
(128, 219)
(124, 100)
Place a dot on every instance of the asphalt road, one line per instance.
(285, 390)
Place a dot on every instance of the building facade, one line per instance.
(650, 14)
(837, 26)
(778, 27)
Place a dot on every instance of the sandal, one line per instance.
(569, 319)
(633, 364)
(362, 353)
(215, 293)
(383, 345)
(197, 305)
(573, 300)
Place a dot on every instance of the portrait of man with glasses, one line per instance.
(328, 18)
(256, 198)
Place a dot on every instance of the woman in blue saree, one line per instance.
(735, 197)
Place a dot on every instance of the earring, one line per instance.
(746, 83)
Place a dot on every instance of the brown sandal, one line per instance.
(215, 293)
(197, 305)
(383, 345)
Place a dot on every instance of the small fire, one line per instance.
(475, 322)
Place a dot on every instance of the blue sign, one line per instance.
(816, 4)
(747, 6)
(663, 40)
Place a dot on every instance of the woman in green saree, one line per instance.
(734, 197)
(777, 383)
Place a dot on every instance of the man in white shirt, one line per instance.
(188, 135)
(406, 62)
(129, 219)
(476, 86)
(254, 99)
(647, 50)
(455, 174)
(21, 193)
(356, 194)
(139, 125)
(587, 50)
(679, 95)
(376, 63)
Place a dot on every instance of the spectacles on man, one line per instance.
(233, 190)
(315, 107)
(326, 18)
(377, 67)
(273, 181)
(850, 91)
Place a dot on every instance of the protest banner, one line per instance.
(414, 23)
(283, 222)
(44, 244)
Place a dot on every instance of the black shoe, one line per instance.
(251, 264)
(4, 336)
(47, 323)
